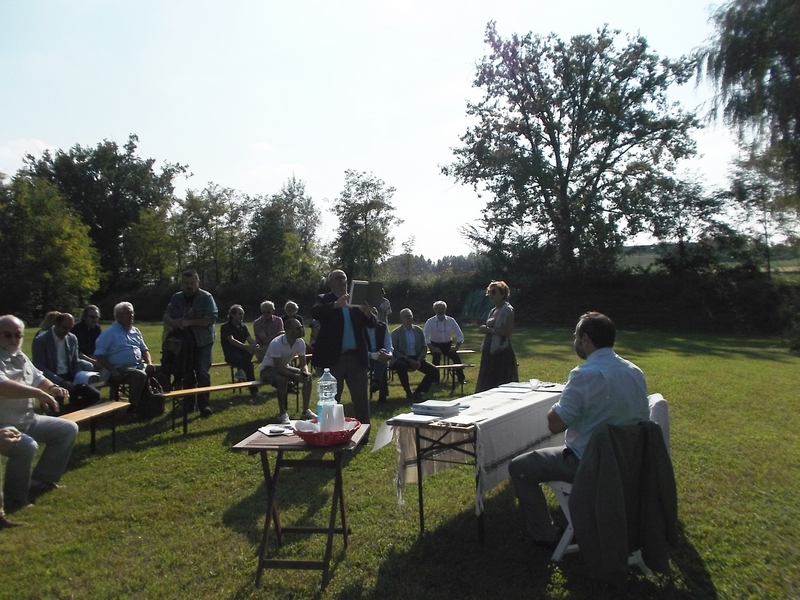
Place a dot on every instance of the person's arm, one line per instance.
(106, 364)
(459, 335)
(45, 392)
(554, 422)
(420, 337)
(506, 328)
(39, 356)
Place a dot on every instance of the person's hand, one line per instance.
(384, 356)
(48, 399)
(413, 364)
(9, 436)
(67, 386)
(366, 309)
(305, 375)
(483, 329)
(343, 301)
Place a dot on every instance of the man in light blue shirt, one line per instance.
(604, 389)
(124, 356)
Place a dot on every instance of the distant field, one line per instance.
(644, 256)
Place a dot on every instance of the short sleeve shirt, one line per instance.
(279, 349)
(123, 349)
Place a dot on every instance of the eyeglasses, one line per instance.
(12, 335)
(494, 291)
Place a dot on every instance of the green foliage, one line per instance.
(366, 218)
(46, 255)
(108, 188)
(755, 62)
(572, 141)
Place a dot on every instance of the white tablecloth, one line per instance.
(507, 420)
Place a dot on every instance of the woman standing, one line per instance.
(498, 361)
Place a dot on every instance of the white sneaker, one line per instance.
(308, 415)
(283, 419)
(240, 375)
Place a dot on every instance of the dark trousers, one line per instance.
(431, 375)
(81, 396)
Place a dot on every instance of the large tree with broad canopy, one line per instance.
(572, 140)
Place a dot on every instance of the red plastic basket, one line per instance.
(328, 438)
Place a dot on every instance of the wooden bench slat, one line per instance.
(94, 411)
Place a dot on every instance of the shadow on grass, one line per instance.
(449, 562)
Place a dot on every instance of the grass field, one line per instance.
(174, 516)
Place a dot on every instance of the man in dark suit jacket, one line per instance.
(55, 353)
(342, 343)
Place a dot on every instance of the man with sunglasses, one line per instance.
(21, 386)
(87, 330)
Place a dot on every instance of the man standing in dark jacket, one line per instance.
(194, 311)
(342, 343)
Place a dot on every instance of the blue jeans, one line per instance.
(527, 471)
(58, 436)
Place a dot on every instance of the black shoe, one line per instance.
(6, 524)
(375, 387)
(418, 395)
(39, 489)
(206, 411)
(409, 395)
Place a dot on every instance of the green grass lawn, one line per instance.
(174, 516)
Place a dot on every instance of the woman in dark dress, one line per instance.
(498, 361)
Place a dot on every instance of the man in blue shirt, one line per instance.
(124, 356)
(604, 389)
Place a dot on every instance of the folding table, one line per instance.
(258, 443)
(496, 426)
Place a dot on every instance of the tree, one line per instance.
(572, 139)
(209, 233)
(46, 256)
(755, 62)
(366, 217)
(108, 188)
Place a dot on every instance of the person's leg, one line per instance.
(83, 396)
(379, 383)
(357, 385)
(401, 366)
(136, 380)
(202, 370)
(436, 357)
(281, 384)
(431, 376)
(306, 395)
(456, 360)
(18, 470)
(527, 471)
(58, 437)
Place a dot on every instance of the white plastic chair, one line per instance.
(659, 413)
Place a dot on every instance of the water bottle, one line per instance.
(326, 394)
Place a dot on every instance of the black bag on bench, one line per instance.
(151, 403)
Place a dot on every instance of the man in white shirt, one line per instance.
(277, 369)
(604, 389)
(441, 331)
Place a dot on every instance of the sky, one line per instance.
(250, 93)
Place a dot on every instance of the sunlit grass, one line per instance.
(173, 516)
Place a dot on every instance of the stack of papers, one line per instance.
(437, 408)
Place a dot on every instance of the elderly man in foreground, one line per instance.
(21, 386)
(121, 351)
(606, 389)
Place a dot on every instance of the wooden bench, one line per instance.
(180, 397)
(103, 410)
(450, 373)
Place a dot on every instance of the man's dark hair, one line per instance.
(190, 273)
(600, 329)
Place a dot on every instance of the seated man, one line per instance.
(277, 369)
(440, 332)
(123, 354)
(408, 341)
(605, 389)
(21, 386)
(380, 353)
(266, 328)
(87, 330)
(238, 346)
(55, 353)
(290, 312)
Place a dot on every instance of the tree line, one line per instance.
(574, 145)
